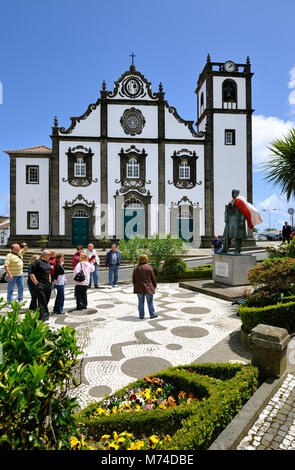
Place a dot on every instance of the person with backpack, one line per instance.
(81, 276)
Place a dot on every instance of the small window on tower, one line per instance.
(229, 94)
(32, 174)
(230, 137)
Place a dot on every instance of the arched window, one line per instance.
(133, 203)
(80, 168)
(80, 214)
(202, 102)
(132, 168)
(229, 94)
(184, 171)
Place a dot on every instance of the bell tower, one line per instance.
(224, 111)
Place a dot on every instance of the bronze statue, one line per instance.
(234, 225)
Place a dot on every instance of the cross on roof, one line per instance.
(132, 55)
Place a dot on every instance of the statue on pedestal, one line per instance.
(236, 213)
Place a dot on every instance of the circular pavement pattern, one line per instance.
(183, 296)
(195, 319)
(173, 347)
(142, 366)
(80, 313)
(100, 392)
(104, 306)
(196, 310)
(189, 332)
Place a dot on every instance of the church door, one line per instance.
(185, 227)
(133, 219)
(80, 228)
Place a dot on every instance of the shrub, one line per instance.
(199, 272)
(281, 314)
(173, 268)
(35, 375)
(222, 389)
(277, 274)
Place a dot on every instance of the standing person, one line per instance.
(81, 287)
(52, 261)
(91, 252)
(112, 261)
(144, 283)
(59, 281)
(31, 285)
(40, 275)
(286, 232)
(76, 257)
(217, 244)
(14, 269)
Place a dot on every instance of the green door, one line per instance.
(80, 231)
(185, 229)
(133, 223)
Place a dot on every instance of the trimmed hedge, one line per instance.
(221, 388)
(281, 314)
(199, 272)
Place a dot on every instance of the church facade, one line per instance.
(131, 166)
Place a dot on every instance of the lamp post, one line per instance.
(268, 210)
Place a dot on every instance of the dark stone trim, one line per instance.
(33, 155)
(161, 165)
(54, 189)
(104, 163)
(74, 120)
(132, 183)
(12, 196)
(124, 121)
(209, 163)
(27, 173)
(222, 111)
(145, 200)
(69, 212)
(189, 124)
(28, 220)
(73, 155)
(130, 140)
(191, 159)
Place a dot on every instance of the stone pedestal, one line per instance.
(268, 346)
(232, 269)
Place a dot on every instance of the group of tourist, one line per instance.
(46, 277)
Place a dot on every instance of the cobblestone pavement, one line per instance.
(275, 427)
(118, 347)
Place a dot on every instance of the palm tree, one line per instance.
(281, 168)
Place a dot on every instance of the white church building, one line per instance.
(131, 166)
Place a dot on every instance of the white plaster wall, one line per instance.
(86, 127)
(32, 197)
(67, 192)
(217, 91)
(174, 194)
(114, 173)
(175, 129)
(202, 125)
(230, 164)
(150, 113)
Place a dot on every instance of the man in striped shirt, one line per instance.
(14, 268)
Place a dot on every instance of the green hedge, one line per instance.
(281, 314)
(221, 388)
(199, 272)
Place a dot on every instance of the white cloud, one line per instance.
(264, 130)
(272, 202)
(274, 211)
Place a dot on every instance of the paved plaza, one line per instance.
(118, 347)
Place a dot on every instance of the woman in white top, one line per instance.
(93, 255)
(81, 287)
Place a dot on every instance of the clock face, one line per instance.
(229, 66)
(132, 86)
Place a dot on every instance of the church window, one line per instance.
(32, 220)
(230, 137)
(184, 171)
(229, 94)
(133, 203)
(202, 102)
(80, 214)
(80, 168)
(132, 168)
(32, 174)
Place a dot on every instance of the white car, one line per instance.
(3, 275)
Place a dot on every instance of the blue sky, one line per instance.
(55, 54)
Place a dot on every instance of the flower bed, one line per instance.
(192, 404)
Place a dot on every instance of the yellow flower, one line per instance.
(121, 440)
(167, 438)
(126, 434)
(115, 435)
(74, 443)
(163, 407)
(114, 410)
(158, 391)
(105, 437)
(153, 441)
(114, 446)
(106, 445)
(137, 407)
